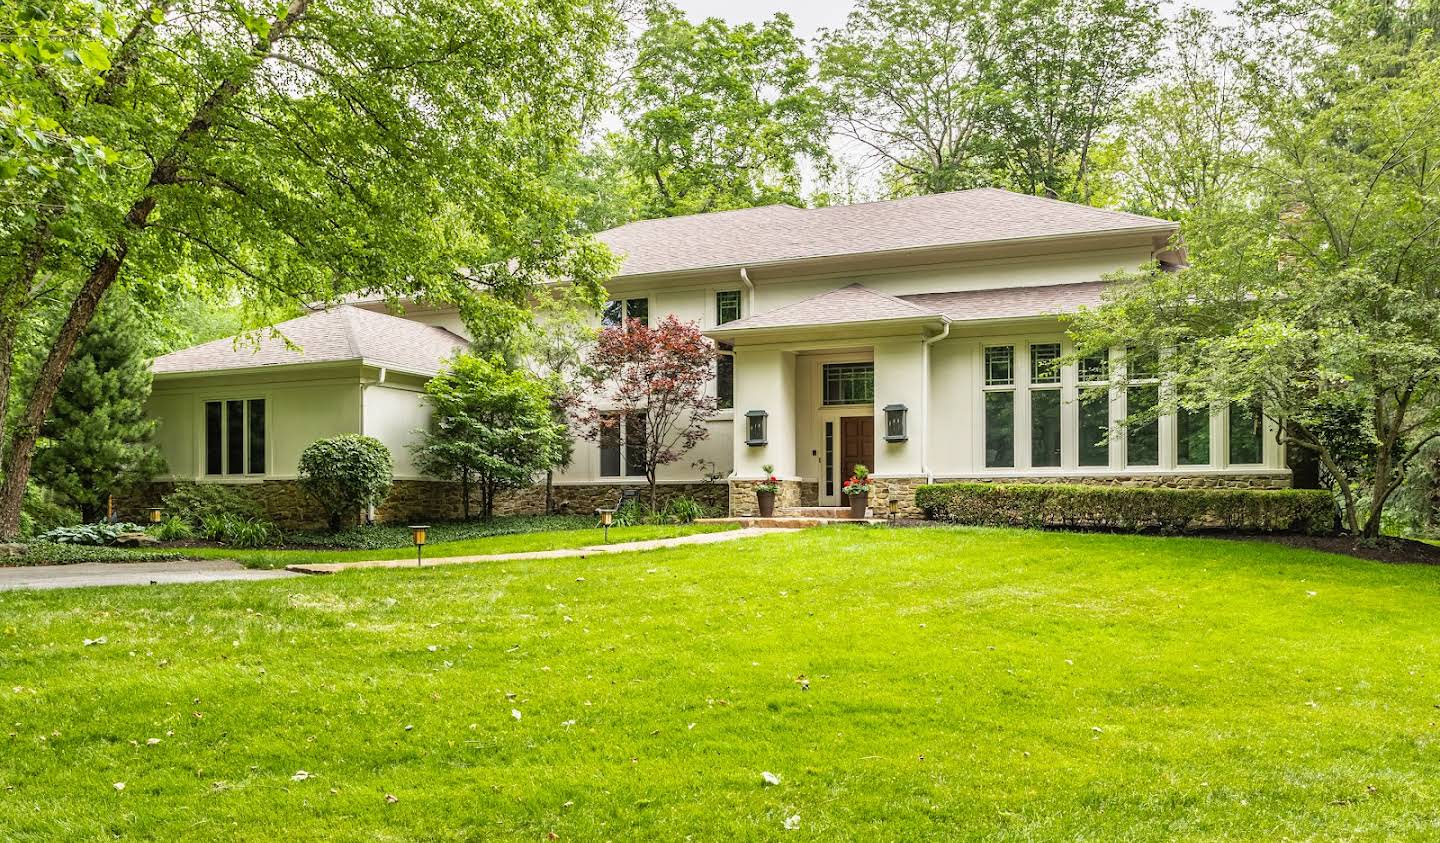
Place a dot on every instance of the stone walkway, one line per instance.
(568, 553)
(89, 574)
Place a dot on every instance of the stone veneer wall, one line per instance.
(902, 488)
(743, 500)
(428, 500)
(1254, 480)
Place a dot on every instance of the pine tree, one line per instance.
(98, 438)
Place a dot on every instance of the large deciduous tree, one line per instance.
(297, 153)
(655, 378)
(1319, 295)
(492, 425)
(948, 94)
(718, 116)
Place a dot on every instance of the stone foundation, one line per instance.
(901, 488)
(744, 503)
(1256, 480)
(409, 501)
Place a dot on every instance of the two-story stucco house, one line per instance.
(914, 336)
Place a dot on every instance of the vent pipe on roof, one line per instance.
(745, 279)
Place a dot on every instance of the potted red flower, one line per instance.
(765, 491)
(857, 489)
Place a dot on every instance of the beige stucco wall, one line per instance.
(301, 406)
(394, 412)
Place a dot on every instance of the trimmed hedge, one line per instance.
(1129, 509)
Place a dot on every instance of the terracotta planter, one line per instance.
(767, 503)
(858, 504)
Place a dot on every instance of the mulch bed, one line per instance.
(1389, 549)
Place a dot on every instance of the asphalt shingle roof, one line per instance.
(329, 336)
(853, 303)
(777, 233)
(1011, 302)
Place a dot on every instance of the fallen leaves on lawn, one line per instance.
(391, 799)
(792, 822)
(101, 640)
(515, 713)
(300, 776)
(769, 778)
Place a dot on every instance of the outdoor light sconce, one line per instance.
(155, 515)
(417, 533)
(755, 427)
(895, 423)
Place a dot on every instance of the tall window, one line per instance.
(1192, 437)
(1094, 375)
(1045, 405)
(727, 306)
(622, 445)
(725, 376)
(1247, 434)
(235, 436)
(617, 311)
(1142, 440)
(1000, 406)
(849, 383)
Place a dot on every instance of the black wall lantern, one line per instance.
(895, 423)
(755, 427)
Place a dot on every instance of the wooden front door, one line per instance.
(857, 445)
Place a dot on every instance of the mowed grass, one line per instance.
(485, 545)
(963, 684)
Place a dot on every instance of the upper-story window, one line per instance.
(235, 436)
(618, 311)
(727, 306)
(849, 383)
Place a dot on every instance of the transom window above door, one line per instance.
(848, 383)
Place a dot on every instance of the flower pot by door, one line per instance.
(858, 504)
(767, 503)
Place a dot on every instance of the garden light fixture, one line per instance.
(417, 533)
(155, 513)
(607, 517)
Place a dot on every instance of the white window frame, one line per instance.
(1017, 369)
(1031, 387)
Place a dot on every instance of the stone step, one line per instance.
(814, 511)
(781, 522)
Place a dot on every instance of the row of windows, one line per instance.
(617, 311)
(1142, 395)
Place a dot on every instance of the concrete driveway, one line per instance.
(89, 574)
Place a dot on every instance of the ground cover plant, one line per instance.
(933, 683)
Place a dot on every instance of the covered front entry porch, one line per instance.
(814, 401)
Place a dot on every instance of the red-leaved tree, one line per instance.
(656, 379)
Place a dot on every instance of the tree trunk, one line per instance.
(650, 477)
(465, 493)
(549, 491)
(20, 451)
(9, 328)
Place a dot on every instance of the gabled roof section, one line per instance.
(337, 335)
(1011, 302)
(779, 233)
(848, 305)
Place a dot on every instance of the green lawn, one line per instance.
(963, 683)
(507, 543)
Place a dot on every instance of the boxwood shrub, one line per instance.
(1130, 509)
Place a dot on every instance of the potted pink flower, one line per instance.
(857, 489)
(765, 491)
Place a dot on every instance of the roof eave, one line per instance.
(297, 366)
(915, 252)
(721, 332)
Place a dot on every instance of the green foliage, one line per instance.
(684, 510)
(950, 94)
(97, 438)
(491, 425)
(238, 531)
(41, 513)
(1316, 293)
(677, 510)
(99, 533)
(383, 536)
(52, 553)
(193, 502)
(345, 474)
(718, 116)
(1035, 505)
(172, 529)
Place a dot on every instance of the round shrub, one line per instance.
(345, 474)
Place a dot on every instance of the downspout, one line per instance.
(750, 287)
(925, 403)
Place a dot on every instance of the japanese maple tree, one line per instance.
(656, 377)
